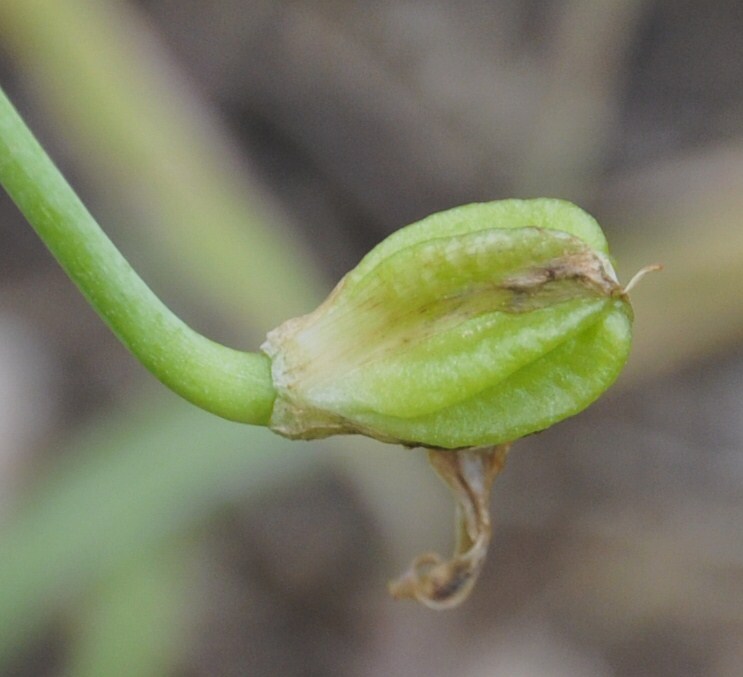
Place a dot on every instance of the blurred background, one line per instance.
(244, 154)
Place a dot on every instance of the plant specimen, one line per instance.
(460, 334)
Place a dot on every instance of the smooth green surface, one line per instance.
(561, 383)
(233, 384)
(437, 323)
(475, 326)
(548, 213)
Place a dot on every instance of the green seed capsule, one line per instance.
(475, 326)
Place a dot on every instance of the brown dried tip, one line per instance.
(444, 584)
(652, 268)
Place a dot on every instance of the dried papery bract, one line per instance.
(444, 584)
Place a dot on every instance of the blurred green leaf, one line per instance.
(131, 624)
(135, 478)
(146, 141)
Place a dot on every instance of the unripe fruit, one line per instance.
(475, 326)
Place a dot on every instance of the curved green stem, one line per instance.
(230, 383)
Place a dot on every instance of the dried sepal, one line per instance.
(443, 584)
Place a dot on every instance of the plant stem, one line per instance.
(138, 134)
(233, 384)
